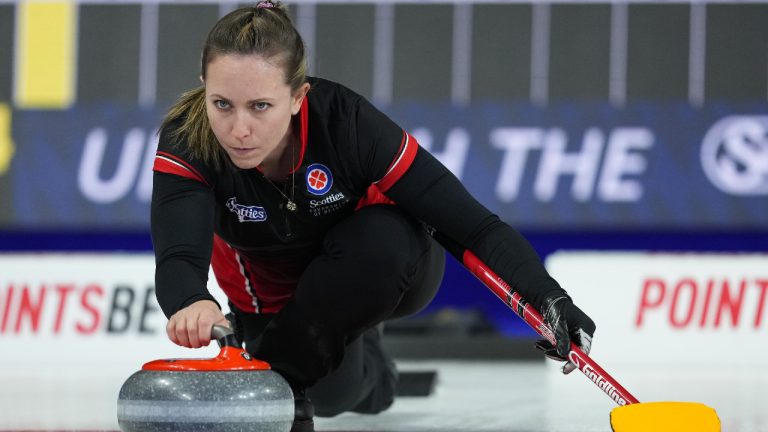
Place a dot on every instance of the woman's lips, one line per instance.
(241, 151)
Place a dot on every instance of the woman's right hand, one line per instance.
(191, 327)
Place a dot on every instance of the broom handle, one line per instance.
(533, 318)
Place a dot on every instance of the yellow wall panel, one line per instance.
(45, 56)
(6, 141)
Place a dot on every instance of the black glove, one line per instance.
(568, 323)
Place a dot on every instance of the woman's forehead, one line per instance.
(249, 74)
(249, 63)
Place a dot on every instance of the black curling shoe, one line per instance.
(304, 412)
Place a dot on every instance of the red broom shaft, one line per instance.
(533, 318)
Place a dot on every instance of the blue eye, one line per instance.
(220, 104)
(261, 106)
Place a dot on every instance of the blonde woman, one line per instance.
(309, 205)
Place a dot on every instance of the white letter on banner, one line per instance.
(108, 191)
(454, 155)
(516, 143)
(144, 188)
(746, 144)
(619, 161)
(734, 155)
(556, 162)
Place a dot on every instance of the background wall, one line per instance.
(621, 126)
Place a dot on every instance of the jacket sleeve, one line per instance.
(398, 167)
(181, 220)
(432, 194)
(383, 150)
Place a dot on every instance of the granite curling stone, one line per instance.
(232, 392)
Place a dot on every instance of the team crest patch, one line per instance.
(319, 179)
(246, 213)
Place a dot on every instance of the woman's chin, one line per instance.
(244, 163)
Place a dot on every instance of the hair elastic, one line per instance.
(265, 5)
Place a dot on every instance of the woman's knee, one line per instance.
(425, 284)
(380, 239)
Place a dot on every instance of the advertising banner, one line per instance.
(671, 310)
(84, 309)
(73, 328)
(570, 165)
(657, 308)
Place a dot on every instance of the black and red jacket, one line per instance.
(351, 156)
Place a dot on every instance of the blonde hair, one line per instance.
(264, 29)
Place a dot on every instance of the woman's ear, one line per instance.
(298, 98)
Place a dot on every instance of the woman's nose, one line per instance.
(241, 129)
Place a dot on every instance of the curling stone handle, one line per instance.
(224, 336)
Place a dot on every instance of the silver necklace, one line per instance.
(290, 203)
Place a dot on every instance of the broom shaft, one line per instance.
(532, 317)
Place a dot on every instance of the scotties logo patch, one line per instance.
(246, 213)
(319, 179)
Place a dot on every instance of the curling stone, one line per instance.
(232, 392)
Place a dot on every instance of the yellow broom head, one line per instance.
(665, 417)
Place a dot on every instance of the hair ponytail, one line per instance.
(195, 128)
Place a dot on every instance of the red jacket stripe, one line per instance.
(170, 164)
(304, 124)
(373, 196)
(403, 161)
(233, 277)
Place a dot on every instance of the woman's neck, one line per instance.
(278, 168)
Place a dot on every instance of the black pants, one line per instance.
(376, 265)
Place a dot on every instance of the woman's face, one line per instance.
(249, 107)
